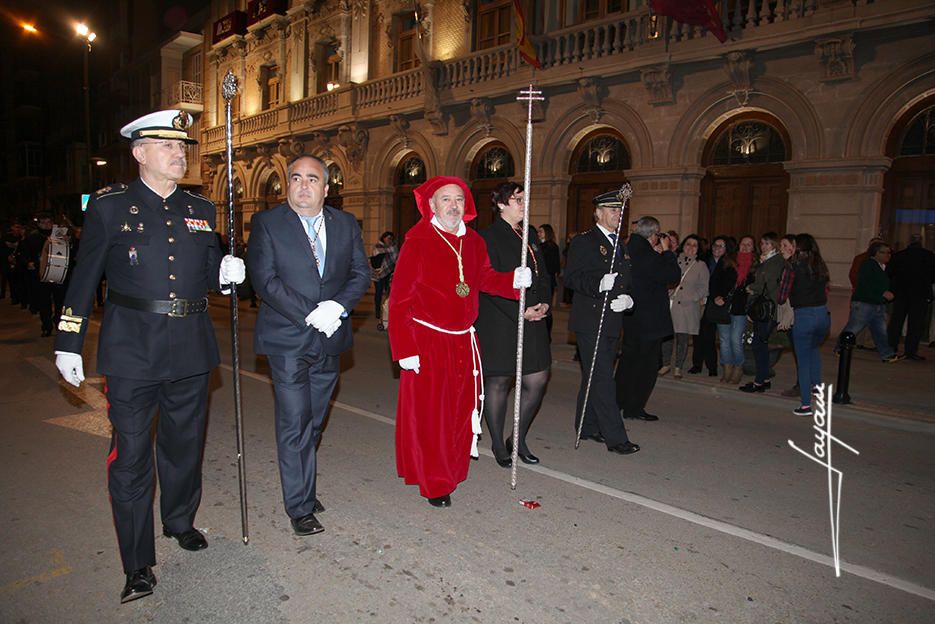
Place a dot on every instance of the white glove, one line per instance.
(522, 278)
(331, 328)
(607, 282)
(324, 315)
(233, 270)
(71, 366)
(410, 363)
(621, 303)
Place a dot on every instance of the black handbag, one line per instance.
(377, 261)
(718, 314)
(761, 308)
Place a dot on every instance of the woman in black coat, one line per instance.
(497, 324)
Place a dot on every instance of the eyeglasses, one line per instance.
(169, 146)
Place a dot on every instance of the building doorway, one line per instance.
(492, 166)
(597, 166)
(745, 189)
(410, 173)
(909, 200)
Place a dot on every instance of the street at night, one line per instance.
(717, 519)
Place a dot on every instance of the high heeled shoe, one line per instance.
(527, 458)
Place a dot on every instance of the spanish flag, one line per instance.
(695, 12)
(526, 49)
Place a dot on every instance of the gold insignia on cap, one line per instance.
(603, 250)
(182, 121)
(134, 210)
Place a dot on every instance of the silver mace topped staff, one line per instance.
(229, 90)
(624, 195)
(530, 95)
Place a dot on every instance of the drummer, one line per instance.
(43, 297)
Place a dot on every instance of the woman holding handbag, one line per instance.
(686, 303)
(761, 308)
(718, 309)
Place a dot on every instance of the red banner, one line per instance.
(695, 12)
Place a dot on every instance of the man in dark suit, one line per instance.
(653, 267)
(307, 264)
(591, 271)
(911, 273)
(156, 242)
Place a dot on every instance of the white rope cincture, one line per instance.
(477, 371)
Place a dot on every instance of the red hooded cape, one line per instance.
(433, 413)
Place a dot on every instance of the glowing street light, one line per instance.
(29, 28)
(89, 36)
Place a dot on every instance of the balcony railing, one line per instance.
(617, 38)
(391, 89)
(183, 92)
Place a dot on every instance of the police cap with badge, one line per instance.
(610, 199)
(164, 124)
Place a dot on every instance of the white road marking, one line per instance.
(676, 512)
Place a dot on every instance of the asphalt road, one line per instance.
(717, 519)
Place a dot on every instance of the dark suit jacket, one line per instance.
(652, 274)
(284, 274)
(588, 261)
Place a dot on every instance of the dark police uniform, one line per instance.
(156, 346)
(589, 259)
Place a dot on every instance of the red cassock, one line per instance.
(433, 415)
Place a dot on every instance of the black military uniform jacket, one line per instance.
(589, 259)
(150, 248)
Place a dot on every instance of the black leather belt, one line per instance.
(176, 308)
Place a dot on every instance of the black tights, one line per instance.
(496, 390)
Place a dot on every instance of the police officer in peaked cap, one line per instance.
(156, 243)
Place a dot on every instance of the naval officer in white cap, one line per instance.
(156, 243)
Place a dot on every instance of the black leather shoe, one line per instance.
(140, 583)
(440, 501)
(694, 370)
(915, 357)
(624, 448)
(755, 387)
(318, 508)
(646, 417)
(506, 462)
(191, 539)
(597, 437)
(526, 458)
(307, 525)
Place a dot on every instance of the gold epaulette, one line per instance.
(112, 189)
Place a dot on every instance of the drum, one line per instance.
(53, 263)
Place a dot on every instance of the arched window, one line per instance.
(919, 138)
(748, 142)
(410, 171)
(272, 190)
(335, 186)
(604, 152)
(494, 162)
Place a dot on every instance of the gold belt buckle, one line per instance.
(179, 309)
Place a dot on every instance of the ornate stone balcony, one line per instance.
(184, 95)
(625, 43)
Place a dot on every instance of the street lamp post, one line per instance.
(88, 36)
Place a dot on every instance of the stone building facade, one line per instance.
(799, 122)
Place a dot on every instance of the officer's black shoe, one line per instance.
(191, 539)
(318, 508)
(624, 448)
(140, 583)
(307, 525)
(646, 416)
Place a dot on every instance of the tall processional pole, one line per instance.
(229, 90)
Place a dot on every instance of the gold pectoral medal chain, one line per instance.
(461, 288)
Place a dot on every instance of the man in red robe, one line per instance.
(442, 267)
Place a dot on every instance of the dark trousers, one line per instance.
(761, 333)
(47, 300)
(302, 387)
(914, 308)
(603, 415)
(380, 287)
(703, 351)
(131, 481)
(636, 373)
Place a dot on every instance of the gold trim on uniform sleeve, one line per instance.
(70, 324)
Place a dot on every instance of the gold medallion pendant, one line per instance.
(462, 289)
